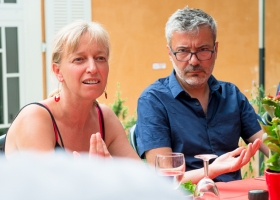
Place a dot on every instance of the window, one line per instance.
(10, 1)
(9, 75)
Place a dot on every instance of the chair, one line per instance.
(132, 138)
(2, 142)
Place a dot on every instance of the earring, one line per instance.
(57, 96)
(105, 93)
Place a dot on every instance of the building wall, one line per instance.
(137, 27)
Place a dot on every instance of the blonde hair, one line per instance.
(68, 38)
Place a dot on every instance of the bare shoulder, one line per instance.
(33, 112)
(31, 129)
(107, 112)
(105, 109)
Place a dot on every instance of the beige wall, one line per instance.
(136, 28)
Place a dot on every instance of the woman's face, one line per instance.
(85, 71)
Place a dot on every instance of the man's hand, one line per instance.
(234, 160)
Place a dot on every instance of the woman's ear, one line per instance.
(57, 72)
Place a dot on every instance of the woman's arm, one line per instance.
(115, 137)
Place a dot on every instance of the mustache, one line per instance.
(193, 68)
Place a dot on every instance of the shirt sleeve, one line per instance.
(152, 128)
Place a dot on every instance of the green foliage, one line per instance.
(245, 175)
(189, 186)
(257, 94)
(271, 128)
(121, 111)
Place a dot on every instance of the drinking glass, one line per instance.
(171, 165)
(206, 187)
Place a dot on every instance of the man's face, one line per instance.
(193, 72)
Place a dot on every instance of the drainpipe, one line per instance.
(261, 63)
(261, 44)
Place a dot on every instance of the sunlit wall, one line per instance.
(136, 29)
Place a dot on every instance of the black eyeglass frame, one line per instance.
(193, 53)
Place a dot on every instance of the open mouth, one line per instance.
(90, 82)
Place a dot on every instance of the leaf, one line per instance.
(267, 129)
(270, 110)
(273, 147)
(269, 139)
(273, 158)
(274, 168)
(189, 186)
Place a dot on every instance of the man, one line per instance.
(193, 113)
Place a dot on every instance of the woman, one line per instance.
(72, 118)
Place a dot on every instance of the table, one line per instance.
(238, 190)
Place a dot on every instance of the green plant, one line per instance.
(257, 94)
(121, 111)
(271, 128)
(188, 186)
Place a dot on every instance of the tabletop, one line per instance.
(238, 190)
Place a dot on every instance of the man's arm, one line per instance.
(263, 147)
(194, 175)
(225, 163)
(151, 154)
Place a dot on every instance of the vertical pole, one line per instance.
(261, 43)
(261, 65)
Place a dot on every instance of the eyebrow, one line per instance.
(187, 47)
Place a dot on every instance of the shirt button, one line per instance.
(197, 103)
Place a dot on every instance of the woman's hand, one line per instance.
(97, 147)
(234, 160)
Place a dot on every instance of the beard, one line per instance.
(195, 80)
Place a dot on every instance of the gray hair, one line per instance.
(68, 38)
(189, 20)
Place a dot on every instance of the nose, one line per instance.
(91, 68)
(193, 59)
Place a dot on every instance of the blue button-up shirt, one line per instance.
(169, 117)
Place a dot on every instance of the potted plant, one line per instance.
(271, 137)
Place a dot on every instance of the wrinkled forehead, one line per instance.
(203, 32)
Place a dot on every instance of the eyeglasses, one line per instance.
(184, 56)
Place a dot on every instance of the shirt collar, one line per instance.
(176, 88)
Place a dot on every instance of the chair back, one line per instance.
(2, 142)
(132, 138)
